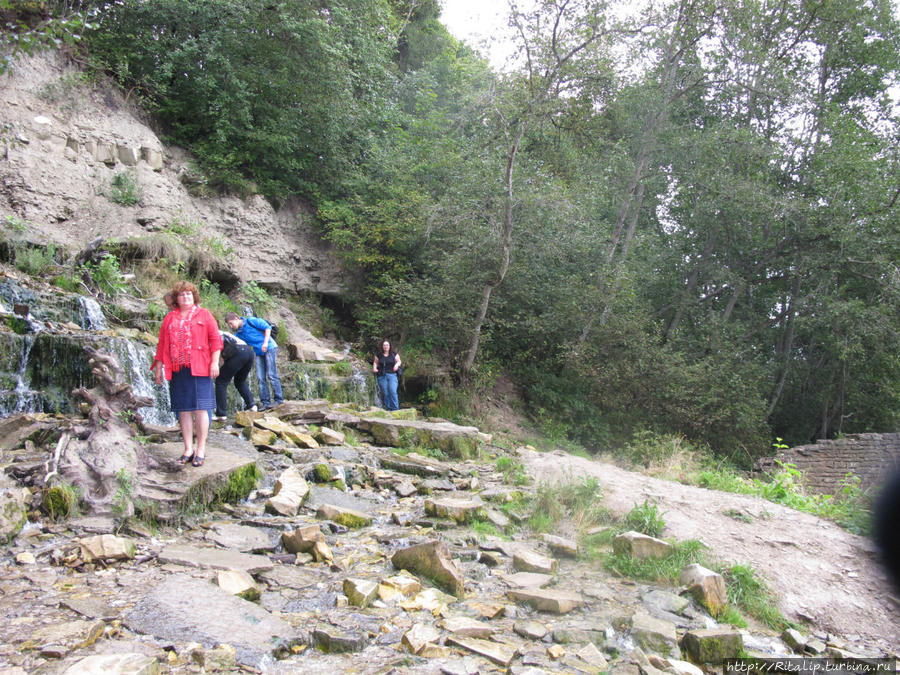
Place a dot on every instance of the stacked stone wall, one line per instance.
(824, 464)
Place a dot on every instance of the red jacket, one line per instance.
(205, 340)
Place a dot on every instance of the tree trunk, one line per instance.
(505, 247)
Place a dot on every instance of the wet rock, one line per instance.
(417, 637)
(453, 440)
(214, 558)
(561, 545)
(328, 436)
(531, 630)
(398, 586)
(528, 580)
(242, 537)
(815, 647)
(461, 510)
(333, 640)
(405, 488)
(497, 518)
(13, 512)
(106, 547)
(289, 492)
(652, 634)
(239, 583)
(91, 606)
(115, 664)
(489, 558)
(360, 592)
(303, 539)
(794, 639)
(557, 602)
(26, 558)
(464, 666)
(260, 437)
(526, 560)
(463, 625)
(639, 545)
(706, 587)
(221, 659)
(182, 608)
(712, 645)
(431, 600)
(498, 653)
(429, 485)
(592, 656)
(344, 516)
(414, 464)
(671, 665)
(431, 559)
(665, 601)
(488, 610)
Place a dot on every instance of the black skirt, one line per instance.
(189, 392)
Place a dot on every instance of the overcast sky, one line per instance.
(480, 24)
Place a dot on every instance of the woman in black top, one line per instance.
(386, 365)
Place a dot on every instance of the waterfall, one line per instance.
(358, 387)
(135, 360)
(306, 390)
(90, 315)
(22, 398)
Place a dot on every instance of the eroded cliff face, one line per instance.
(63, 141)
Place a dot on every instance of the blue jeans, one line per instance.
(266, 368)
(387, 383)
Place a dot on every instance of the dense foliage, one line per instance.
(683, 220)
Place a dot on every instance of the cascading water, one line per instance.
(90, 314)
(135, 361)
(358, 387)
(22, 398)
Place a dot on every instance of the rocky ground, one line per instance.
(350, 556)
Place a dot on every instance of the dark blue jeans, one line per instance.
(387, 384)
(266, 369)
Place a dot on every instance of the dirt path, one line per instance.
(821, 574)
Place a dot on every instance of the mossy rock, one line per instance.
(322, 473)
(60, 501)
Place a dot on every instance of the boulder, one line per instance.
(653, 634)
(526, 560)
(465, 626)
(343, 516)
(334, 640)
(557, 602)
(303, 539)
(239, 583)
(706, 587)
(288, 494)
(13, 512)
(328, 436)
(712, 645)
(462, 510)
(153, 157)
(127, 155)
(420, 635)
(561, 545)
(360, 592)
(453, 440)
(500, 654)
(639, 545)
(106, 547)
(432, 560)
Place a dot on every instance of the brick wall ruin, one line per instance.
(872, 457)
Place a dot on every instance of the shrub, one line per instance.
(124, 189)
(105, 275)
(646, 518)
(35, 261)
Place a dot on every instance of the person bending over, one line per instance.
(257, 333)
(235, 362)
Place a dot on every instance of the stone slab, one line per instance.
(183, 609)
(214, 558)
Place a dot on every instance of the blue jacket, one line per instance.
(253, 331)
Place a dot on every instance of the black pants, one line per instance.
(237, 367)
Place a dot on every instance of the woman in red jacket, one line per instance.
(188, 357)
